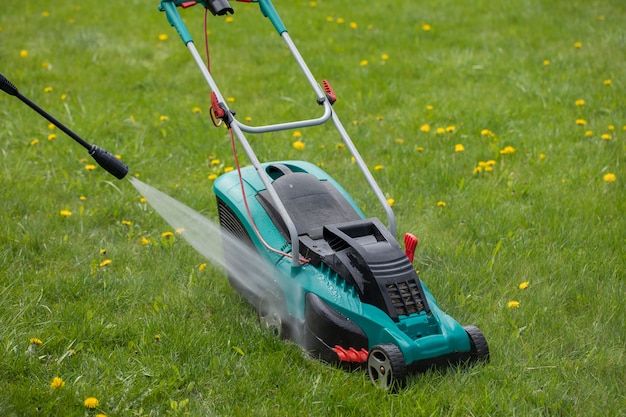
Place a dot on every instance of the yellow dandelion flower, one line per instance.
(82, 198)
(378, 167)
(45, 13)
(105, 263)
(459, 147)
(313, 3)
(298, 145)
(488, 168)
(167, 235)
(450, 129)
(507, 150)
(340, 20)
(215, 162)
(163, 118)
(607, 82)
(47, 90)
(23, 53)
(426, 27)
(441, 204)
(248, 119)
(399, 141)
(513, 304)
(142, 199)
(202, 267)
(581, 122)
(145, 241)
(441, 130)
(52, 136)
(588, 133)
(34, 142)
(65, 213)
(91, 402)
(51, 126)
(542, 155)
(419, 148)
(353, 25)
(606, 136)
(478, 170)
(523, 285)
(35, 341)
(63, 97)
(228, 169)
(363, 62)
(163, 37)
(46, 65)
(486, 132)
(90, 167)
(580, 102)
(57, 383)
(330, 19)
(429, 107)
(546, 62)
(391, 202)
(609, 177)
(126, 223)
(101, 415)
(578, 44)
(103, 251)
(425, 128)
(212, 177)
(229, 19)
(611, 128)
(196, 110)
(297, 134)
(230, 99)
(384, 57)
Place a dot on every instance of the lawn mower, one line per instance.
(342, 286)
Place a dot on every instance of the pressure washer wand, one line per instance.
(104, 158)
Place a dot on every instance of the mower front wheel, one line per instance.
(386, 367)
(271, 314)
(480, 348)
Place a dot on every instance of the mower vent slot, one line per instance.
(405, 297)
(230, 223)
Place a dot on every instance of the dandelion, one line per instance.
(363, 62)
(230, 99)
(329, 19)
(426, 27)
(578, 45)
(313, 3)
(606, 136)
(580, 102)
(354, 25)
(46, 65)
(298, 145)
(425, 128)
(229, 19)
(297, 134)
(609, 177)
(513, 304)
(419, 148)
(45, 13)
(542, 155)
(145, 241)
(429, 107)
(23, 53)
(441, 130)
(51, 126)
(142, 199)
(391, 202)
(82, 198)
(202, 267)
(34, 142)
(441, 204)
(399, 141)
(340, 20)
(384, 57)
(478, 170)
(163, 118)
(57, 383)
(91, 402)
(523, 285)
(507, 150)
(228, 169)
(215, 162)
(126, 223)
(65, 213)
(212, 177)
(486, 132)
(248, 119)
(167, 235)
(47, 90)
(588, 133)
(450, 129)
(103, 251)
(611, 128)
(607, 82)
(105, 263)
(52, 136)
(581, 122)
(163, 37)
(63, 97)
(546, 62)
(459, 147)
(90, 167)
(196, 110)
(379, 168)
(35, 341)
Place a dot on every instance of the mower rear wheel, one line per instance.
(386, 367)
(480, 349)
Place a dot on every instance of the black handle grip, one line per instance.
(109, 162)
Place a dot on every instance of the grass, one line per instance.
(155, 332)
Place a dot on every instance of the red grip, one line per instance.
(215, 106)
(410, 243)
(328, 89)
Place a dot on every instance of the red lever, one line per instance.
(410, 243)
(215, 106)
(351, 354)
(329, 91)
(186, 4)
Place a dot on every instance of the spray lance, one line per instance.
(104, 158)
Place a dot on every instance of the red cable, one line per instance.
(245, 202)
(206, 41)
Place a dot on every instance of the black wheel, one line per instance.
(386, 367)
(271, 316)
(480, 349)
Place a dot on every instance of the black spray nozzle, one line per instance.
(219, 7)
(105, 159)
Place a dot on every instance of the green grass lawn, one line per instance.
(497, 128)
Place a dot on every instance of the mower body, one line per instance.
(357, 288)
